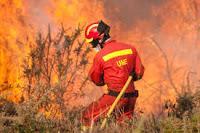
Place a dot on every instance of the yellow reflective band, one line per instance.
(117, 53)
(89, 40)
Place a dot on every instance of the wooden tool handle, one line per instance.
(116, 101)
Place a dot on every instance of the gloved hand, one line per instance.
(135, 76)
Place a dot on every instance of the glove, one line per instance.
(135, 76)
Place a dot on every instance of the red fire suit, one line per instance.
(112, 66)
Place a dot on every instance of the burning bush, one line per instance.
(53, 70)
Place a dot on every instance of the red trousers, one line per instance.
(99, 109)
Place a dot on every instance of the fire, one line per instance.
(13, 30)
(175, 29)
(75, 12)
(16, 28)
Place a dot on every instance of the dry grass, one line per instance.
(28, 122)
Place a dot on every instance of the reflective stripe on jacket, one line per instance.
(113, 64)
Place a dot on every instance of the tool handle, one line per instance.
(116, 101)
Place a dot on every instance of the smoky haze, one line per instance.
(171, 24)
(129, 12)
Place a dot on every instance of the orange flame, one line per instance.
(13, 31)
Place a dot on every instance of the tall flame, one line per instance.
(13, 31)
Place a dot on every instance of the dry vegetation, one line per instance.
(52, 67)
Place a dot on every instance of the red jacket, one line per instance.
(113, 64)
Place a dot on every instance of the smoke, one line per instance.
(37, 13)
(174, 25)
(130, 12)
(126, 12)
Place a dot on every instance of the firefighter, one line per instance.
(112, 65)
